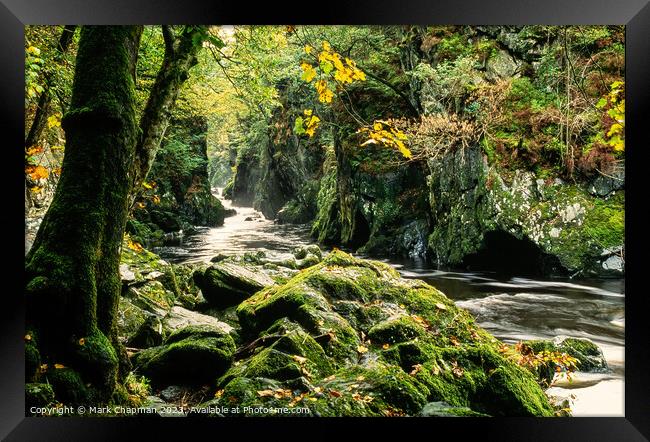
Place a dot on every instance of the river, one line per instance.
(511, 308)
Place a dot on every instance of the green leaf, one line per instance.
(326, 66)
(298, 126)
(601, 103)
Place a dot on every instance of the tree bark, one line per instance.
(45, 100)
(180, 55)
(72, 269)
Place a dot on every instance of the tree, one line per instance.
(72, 270)
(181, 51)
(44, 101)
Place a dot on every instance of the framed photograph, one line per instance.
(380, 210)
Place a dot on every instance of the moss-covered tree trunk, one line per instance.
(181, 51)
(354, 227)
(72, 270)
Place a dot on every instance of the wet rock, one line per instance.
(307, 261)
(225, 284)
(220, 257)
(301, 252)
(172, 393)
(614, 264)
(248, 218)
(606, 185)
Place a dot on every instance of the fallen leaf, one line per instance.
(361, 378)
(58, 366)
(219, 393)
(416, 368)
(385, 346)
(454, 340)
(299, 359)
(82, 341)
(265, 393)
(441, 306)
(361, 349)
(335, 393)
(28, 337)
(329, 378)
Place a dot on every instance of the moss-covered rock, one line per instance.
(67, 385)
(351, 337)
(562, 226)
(590, 357)
(226, 284)
(194, 355)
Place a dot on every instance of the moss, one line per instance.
(388, 386)
(32, 356)
(400, 329)
(193, 357)
(68, 386)
(96, 359)
(605, 222)
(513, 392)
(38, 395)
(435, 351)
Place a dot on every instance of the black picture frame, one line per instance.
(635, 14)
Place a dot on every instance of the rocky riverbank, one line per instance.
(337, 335)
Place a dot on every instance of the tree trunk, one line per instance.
(180, 56)
(44, 101)
(72, 269)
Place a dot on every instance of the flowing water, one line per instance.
(511, 308)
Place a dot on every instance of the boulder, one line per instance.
(180, 317)
(226, 284)
(350, 337)
(194, 355)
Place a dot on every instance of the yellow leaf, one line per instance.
(299, 359)
(28, 337)
(441, 306)
(308, 49)
(53, 121)
(59, 366)
(361, 378)
(34, 150)
(326, 46)
(37, 172)
(361, 349)
(385, 346)
(308, 112)
(219, 393)
(82, 341)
